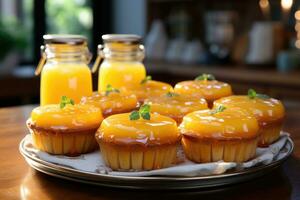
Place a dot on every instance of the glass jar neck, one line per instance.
(67, 53)
(123, 52)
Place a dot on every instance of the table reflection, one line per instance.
(40, 186)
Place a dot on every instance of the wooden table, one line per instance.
(19, 181)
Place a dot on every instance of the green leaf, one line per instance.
(205, 77)
(220, 108)
(144, 108)
(134, 115)
(143, 112)
(64, 101)
(146, 115)
(110, 89)
(263, 96)
(171, 94)
(62, 105)
(252, 94)
(146, 79)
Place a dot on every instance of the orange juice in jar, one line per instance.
(64, 69)
(122, 65)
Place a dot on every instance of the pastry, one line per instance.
(138, 140)
(269, 113)
(149, 88)
(65, 129)
(205, 86)
(228, 134)
(175, 105)
(112, 101)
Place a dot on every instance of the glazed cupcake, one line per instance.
(149, 88)
(112, 101)
(138, 140)
(269, 113)
(228, 134)
(175, 105)
(65, 129)
(205, 86)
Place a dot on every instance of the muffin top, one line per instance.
(204, 86)
(148, 88)
(264, 109)
(112, 101)
(127, 129)
(70, 117)
(221, 124)
(175, 105)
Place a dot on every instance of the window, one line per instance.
(69, 17)
(26, 19)
(16, 28)
(31, 19)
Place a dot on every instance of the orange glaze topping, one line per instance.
(70, 117)
(119, 129)
(210, 90)
(113, 103)
(175, 105)
(265, 110)
(232, 123)
(149, 89)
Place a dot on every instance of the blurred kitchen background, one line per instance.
(249, 43)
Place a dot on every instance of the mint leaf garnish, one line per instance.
(220, 108)
(146, 79)
(145, 116)
(252, 94)
(134, 115)
(171, 94)
(64, 101)
(143, 112)
(205, 77)
(263, 96)
(110, 89)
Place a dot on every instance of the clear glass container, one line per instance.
(122, 65)
(64, 68)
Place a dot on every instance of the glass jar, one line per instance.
(122, 61)
(64, 68)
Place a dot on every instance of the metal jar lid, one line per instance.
(121, 38)
(64, 39)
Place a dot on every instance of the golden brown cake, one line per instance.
(175, 105)
(149, 88)
(204, 86)
(66, 130)
(228, 134)
(112, 101)
(269, 113)
(138, 141)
